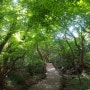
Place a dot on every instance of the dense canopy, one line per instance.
(39, 31)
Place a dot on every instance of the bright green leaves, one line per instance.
(31, 30)
(32, 22)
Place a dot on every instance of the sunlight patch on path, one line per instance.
(51, 69)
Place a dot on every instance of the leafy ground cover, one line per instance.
(72, 82)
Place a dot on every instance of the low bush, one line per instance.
(36, 67)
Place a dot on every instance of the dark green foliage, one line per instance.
(26, 75)
(36, 67)
(85, 84)
(24, 24)
(18, 77)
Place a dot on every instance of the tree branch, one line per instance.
(9, 34)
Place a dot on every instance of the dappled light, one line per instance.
(44, 44)
(17, 36)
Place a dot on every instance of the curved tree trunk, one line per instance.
(80, 49)
(72, 56)
(44, 56)
(40, 54)
(9, 34)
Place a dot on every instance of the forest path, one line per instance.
(51, 82)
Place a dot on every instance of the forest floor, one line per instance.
(56, 81)
(51, 82)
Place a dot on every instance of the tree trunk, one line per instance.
(81, 62)
(40, 54)
(72, 53)
(2, 82)
(10, 32)
(3, 70)
(80, 49)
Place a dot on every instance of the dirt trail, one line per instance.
(49, 67)
(51, 82)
